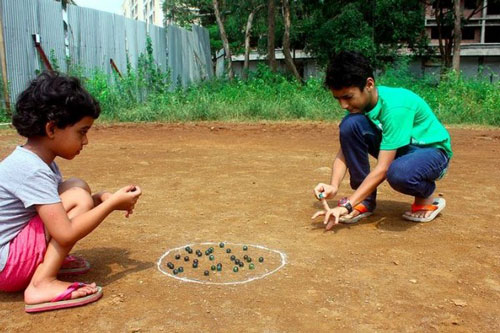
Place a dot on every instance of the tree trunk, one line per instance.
(225, 41)
(247, 41)
(286, 41)
(457, 35)
(271, 9)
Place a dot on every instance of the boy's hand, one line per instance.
(126, 198)
(325, 191)
(332, 216)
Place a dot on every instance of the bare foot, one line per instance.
(421, 213)
(48, 290)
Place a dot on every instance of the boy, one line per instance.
(394, 125)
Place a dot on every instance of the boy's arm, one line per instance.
(369, 184)
(374, 178)
(339, 170)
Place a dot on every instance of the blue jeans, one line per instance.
(413, 171)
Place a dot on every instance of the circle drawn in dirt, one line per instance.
(274, 261)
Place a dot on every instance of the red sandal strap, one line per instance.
(361, 208)
(416, 208)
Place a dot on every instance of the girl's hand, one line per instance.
(126, 198)
(325, 191)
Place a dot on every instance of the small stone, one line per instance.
(175, 271)
(245, 257)
(395, 262)
(180, 269)
(249, 259)
(195, 265)
(228, 250)
(211, 249)
(459, 302)
(237, 261)
(219, 267)
(213, 267)
(199, 253)
(189, 250)
(235, 269)
(251, 266)
(233, 257)
(195, 261)
(478, 246)
(261, 259)
(206, 273)
(241, 264)
(186, 258)
(221, 245)
(245, 247)
(177, 256)
(170, 265)
(413, 280)
(211, 257)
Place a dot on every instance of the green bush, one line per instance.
(147, 94)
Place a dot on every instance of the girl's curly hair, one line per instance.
(52, 97)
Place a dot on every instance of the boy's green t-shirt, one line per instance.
(405, 118)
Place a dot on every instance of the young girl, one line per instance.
(41, 216)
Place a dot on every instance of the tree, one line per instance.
(286, 41)
(271, 19)
(378, 28)
(458, 10)
(450, 20)
(248, 30)
(225, 41)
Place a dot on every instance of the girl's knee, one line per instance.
(74, 182)
(77, 197)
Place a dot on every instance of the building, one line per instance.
(480, 47)
(305, 63)
(149, 11)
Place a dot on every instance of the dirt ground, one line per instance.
(252, 183)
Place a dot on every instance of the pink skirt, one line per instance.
(26, 252)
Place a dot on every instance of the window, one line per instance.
(468, 33)
(471, 4)
(435, 33)
(444, 4)
(492, 34)
(493, 8)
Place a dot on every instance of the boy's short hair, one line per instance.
(52, 97)
(348, 69)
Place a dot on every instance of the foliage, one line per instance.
(269, 96)
(144, 93)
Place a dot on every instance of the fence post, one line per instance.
(3, 64)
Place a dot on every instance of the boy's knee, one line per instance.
(350, 124)
(397, 177)
(74, 182)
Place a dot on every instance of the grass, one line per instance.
(145, 95)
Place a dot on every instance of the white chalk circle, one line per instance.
(275, 258)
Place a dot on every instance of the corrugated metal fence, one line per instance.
(93, 38)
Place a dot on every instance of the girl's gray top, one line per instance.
(25, 181)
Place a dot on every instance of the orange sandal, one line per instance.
(436, 208)
(363, 212)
